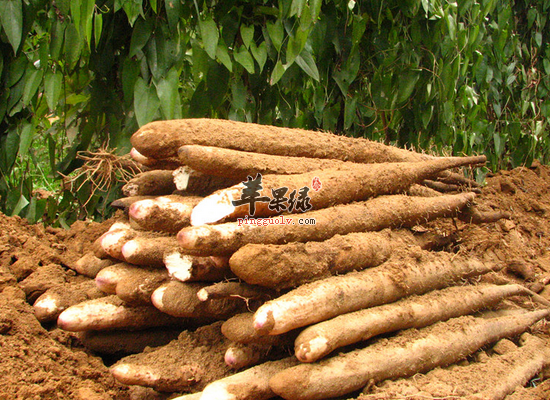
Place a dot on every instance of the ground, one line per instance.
(43, 362)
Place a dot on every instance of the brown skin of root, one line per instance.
(373, 215)
(241, 290)
(239, 164)
(440, 344)
(125, 202)
(150, 250)
(180, 300)
(404, 274)
(90, 315)
(472, 215)
(89, 265)
(137, 288)
(162, 139)
(65, 296)
(415, 311)
(165, 217)
(150, 183)
(343, 186)
(293, 264)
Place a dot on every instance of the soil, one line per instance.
(40, 361)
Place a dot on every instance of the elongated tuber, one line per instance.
(110, 312)
(180, 300)
(240, 329)
(151, 183)
(55, 300)
(222, 290)
(164, 213)
(252, 383)
(400, 276)
(318, 340)
(148, 249)
(440, 344)
(187, 268)
(239, 164)
(162, 139)
(338, 187)
(372, 215)
(292, 264)
(89, 264)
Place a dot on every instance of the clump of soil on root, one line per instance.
(43, 362)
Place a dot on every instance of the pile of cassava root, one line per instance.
(206, 244)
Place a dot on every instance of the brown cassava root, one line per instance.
(293, 264)
(440, 344)
(403, 275)
(55, 300)
(372, 215)
(164, 213)
(361, 183)
(162, 139)
(239, 164)
(252, 383)
(150, 183)
(180, 300)
(110, 312)
(318, 340)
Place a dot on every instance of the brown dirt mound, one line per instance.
(42, 362)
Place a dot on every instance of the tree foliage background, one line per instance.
(455, 77)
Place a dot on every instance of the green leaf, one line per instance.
(130, 73)
(276, 34)
(296, 8)
(17, 69)
(98, 28)
(538, 39)
(223, 56)
(350, 112)
(53, 82)
(33, 79)
(247, 34)
(217, 81)
(140, 36)
(307, 63)
(88, 19)
(36, 210)
(358, 29)
(20, 205)
(76, 8)
(9, 148)
(25, 139)
(167, 91)
(11, 17)
(73, 45)
(210, 36)
(133, 9)
(146, 102)
(243, 57)
(153, 4)
(277, 73)
(200, 103)
(315, 9)
(238, 93)
(173, 12)
(407, 82)
(57, 38)
(296, 43)
(259, 53)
